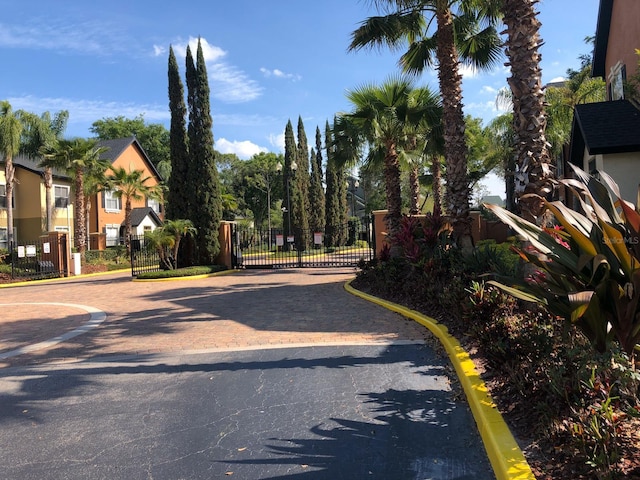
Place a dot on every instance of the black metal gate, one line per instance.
(340, 246)
(38, 259)
(144, 257)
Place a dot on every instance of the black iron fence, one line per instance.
(144, 256)
(337, 246)
(38, 259)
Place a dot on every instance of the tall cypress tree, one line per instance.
(343, 205)
(332, 205)
(177, 205)
(316, 191)
(206, 207)
(300, 206)
(288, 179)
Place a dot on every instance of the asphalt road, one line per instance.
(318, 412)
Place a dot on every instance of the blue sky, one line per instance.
(268, 61)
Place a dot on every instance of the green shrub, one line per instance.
(182, 272)
(116, 254)
(586, 269)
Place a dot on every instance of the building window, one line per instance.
(112, 233)
(61, 195)
(3, 196)
(154, 204)
(4, 242)
(617, 77)
(111, 202)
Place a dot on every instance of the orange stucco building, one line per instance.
(106, 214)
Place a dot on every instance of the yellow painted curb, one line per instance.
(188, 277)
(507, 460)
(57, 279)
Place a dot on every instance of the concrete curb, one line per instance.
(506, 458)
(96, 317)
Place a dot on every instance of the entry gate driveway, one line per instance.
(252, 376)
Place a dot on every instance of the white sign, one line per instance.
(291, 239)
(31, 250)
(279, 240)
(317, 238)
(46, 247)
(21, 251)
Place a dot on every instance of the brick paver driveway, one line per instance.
(248, 309)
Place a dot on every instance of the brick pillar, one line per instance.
(224, 236)
(380, 229)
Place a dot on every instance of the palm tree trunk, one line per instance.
(534, 171)
(48, 186)
(414, 184)
(10, 174)
(392, 187)
(458, 192)
(127, 223)
(436, 173)
(87, 220)
(79, 225)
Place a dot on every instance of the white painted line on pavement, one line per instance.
(96, 318)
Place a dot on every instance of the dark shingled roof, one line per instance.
(139, 214)
(603, 27)
(31, 164)
(118, 145)
(605, 127)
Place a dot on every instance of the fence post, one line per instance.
(225, 237)
(380, 229)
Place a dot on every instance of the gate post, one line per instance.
(58, 253)
(379, 230)
(225, 237)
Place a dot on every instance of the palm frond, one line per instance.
(387, 31)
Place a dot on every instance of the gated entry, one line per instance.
(261, 248)
(45, 257)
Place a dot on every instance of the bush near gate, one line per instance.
(182, 272)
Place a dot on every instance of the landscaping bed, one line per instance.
(574, 412)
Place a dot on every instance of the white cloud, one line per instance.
(557, 79)
(84, 112)
(228, 83)
(277, 140)
(79, 35)
(467, 71)
(280, 74)
(211, 53)
(243, 149)
(158, 50)
(489, 90)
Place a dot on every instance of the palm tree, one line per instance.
(11, 128)
(41, 133)
(130, 185)
(76, 156)
(389, 117)
(169, 236)
(534, 173)
(561, 101)
(446, 33)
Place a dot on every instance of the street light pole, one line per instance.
(353, 185)
(293, 168)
